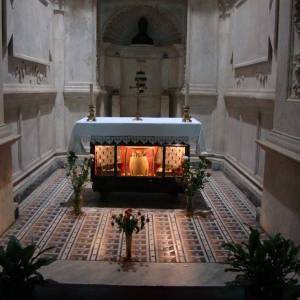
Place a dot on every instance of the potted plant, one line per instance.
(129, 223)
(265, 267)
(193, 180)
(79, 175)
(19, 270)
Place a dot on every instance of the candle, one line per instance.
(187, 94)
(91, 95)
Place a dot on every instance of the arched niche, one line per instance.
(163, 62)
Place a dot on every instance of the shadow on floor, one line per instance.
(138, 200)
(141, 200)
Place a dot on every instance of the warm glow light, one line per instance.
(139, 160)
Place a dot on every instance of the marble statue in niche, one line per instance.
(142, 38)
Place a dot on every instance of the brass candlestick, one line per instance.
(140, 86)
(92, 113)
(186, 114)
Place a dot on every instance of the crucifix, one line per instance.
(140, 86)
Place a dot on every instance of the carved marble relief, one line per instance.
(20, 71)
(295, 52)
(262, 79)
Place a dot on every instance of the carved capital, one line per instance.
(225, 6)
(59, 5)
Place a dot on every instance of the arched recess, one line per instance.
(121, 27)
(163, 62)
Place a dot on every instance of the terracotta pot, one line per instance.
(128, 245)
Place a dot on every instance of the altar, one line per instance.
(131, 155)
(115, 129)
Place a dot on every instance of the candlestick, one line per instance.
(92, 110)
(186, 108)
(187, 94)
(186, 114)
(91, 94)
(140, 86)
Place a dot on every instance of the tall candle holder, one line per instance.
(186, 114)
(92, 113)
(92, 109)
(140, 86)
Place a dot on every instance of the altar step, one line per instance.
(88, 280)
(112, 292)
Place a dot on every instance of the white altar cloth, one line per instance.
(116, 129)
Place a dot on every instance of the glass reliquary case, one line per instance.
(138, 167)
(135, 161)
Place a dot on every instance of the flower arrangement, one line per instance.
(79, 175)
(193, 179)
(129, 223)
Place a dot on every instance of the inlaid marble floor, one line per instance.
(170, 236)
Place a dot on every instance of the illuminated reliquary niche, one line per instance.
(128, 165)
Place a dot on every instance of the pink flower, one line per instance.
(128, 211)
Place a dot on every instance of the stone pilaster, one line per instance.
(7, 206)
(116, 104)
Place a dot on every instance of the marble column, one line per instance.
(281, 195)
(223, 71)
(59, 70)
(7, 205)
(103, 100)
(116, 104)
(165, 105)
(188, 55)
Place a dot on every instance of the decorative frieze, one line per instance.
(296, 75)
(295, 52)
(262, 79)
(33, 72)
(297, 16)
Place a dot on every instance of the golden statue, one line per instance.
(138, 164)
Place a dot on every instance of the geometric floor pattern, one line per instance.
(170, 236)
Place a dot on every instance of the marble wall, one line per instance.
(232, 87)
(247, 82)
(163, 67)
(32, 117)
(280, 203)
(80, 60)
(29, 90)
